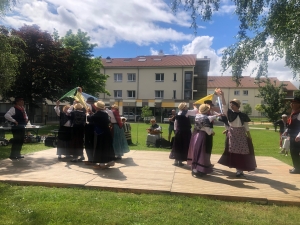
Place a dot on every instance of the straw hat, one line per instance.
(123, 118)
(236, 101)
(284, 115)
(204, 108)
(99, 105)
(182, 105)
(78, 106)
(115, 106)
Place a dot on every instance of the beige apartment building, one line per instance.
(246, 92)
(159, 81)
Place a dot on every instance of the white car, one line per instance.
(131, 116)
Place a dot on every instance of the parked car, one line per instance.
(131, 116)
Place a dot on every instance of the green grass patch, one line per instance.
(42, 205)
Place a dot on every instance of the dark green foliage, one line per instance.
(274, 104)
(85, 70)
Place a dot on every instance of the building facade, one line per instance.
(160, 82)
(247, 91)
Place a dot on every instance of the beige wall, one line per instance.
(145, 84)
(250, 98)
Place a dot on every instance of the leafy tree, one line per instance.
(85, 71)
(6, 5)
(280, 22)
(247, 109)
(297, 94)
(146, 113)
(44, 71)
(259, 108)
(11, 55)
(274, 104)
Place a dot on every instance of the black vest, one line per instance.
(294, 127)
(19, 117)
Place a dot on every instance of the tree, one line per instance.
(259, 108)
(247, 109)
(85, 71)
(11, 56)
(44, 71)
(6, 5)
(280, 23)
(146, 113)
(274, 104)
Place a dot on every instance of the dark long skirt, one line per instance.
(181, 145)
(89, 140)
(63, 142)
(200, 152)
(244, 162)
(77, 141)
(103, 148)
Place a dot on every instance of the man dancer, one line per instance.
(19, 119)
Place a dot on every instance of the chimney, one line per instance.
(161, 52)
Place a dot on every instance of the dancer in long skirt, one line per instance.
(119, 140)
(64, 131)
(239, 151)
(78, 120)
(200, 144)
(182, 126)
(103, 154)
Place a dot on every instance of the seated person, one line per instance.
(153, 133)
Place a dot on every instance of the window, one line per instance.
(245, 92)
(131, 94)
(118, 77)
(174, 77)
(131, 77)
(118, 93)
(188, 85)
(236, 92)
(159, 94)
(244, 102)
(159, 77)
(187, 95)
(174, 94)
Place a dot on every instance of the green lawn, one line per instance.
(44, 205)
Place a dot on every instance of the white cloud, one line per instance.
(174, 49)
(201, 46)
(153, 51)
(106, 22)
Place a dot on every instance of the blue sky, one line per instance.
(138, 27)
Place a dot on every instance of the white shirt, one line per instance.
(208, 130)
(192, 112)
(11, 112)
(57, 110)
(111, 115)
(237, 122)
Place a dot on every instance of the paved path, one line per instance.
(149, 171)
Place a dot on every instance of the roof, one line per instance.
(152, 61)
(246, 82)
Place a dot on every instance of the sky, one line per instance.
(130, 28)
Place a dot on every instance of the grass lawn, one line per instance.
(44, 205)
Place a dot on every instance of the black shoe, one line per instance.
(197, 174)
(118, 158)
(180, 163)
(20, 156)
(81, 159)
(74, 160)
(175, 163)
(239, 174)
(295, 171)
(13, 157)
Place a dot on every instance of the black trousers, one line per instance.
(18, 133)
(295, 150)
